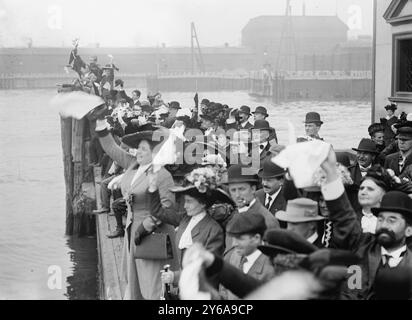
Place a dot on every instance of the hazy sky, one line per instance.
(152, 22)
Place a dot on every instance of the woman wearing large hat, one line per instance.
(388, 122)
(191, 217)
(142, 276)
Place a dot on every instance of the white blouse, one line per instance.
(368, 222)
(186, 239)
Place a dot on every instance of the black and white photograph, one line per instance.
(223, 151)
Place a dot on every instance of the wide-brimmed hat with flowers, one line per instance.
(202, 184)
(387, 180)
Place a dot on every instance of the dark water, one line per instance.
(32, 218)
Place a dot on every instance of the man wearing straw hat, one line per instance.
(302, 217)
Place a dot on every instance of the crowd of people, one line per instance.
(227, 222)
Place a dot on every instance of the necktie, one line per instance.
(243, 260)
(401, 163)
(268, 201)
(385, 261)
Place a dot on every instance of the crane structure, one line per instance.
(196, 54)
(287, 56)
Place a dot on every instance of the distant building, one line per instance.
(312, 35)
(393, 51)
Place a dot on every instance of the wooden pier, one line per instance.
(111, 286)
(309, 85)
(207, 81)
(319, 85)
(82, 197)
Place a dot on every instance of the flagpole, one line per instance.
(197, 105)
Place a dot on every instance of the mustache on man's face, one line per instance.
(390, 233)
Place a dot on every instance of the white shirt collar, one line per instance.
(363, 173)
(367, 214)
(395, 256)
(244, 124)
(208, 131)
(251, 259)
(313, 237)
(246, 208)
(264, 144)
(365, 168)
(196, 219)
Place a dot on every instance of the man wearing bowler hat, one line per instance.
(242, 184)
(265, 135)
(400, 161)
(261, 144)
(366, 154)
(247, 231)
(173, 108)
(207, 124)
(312, 127)
(271, 195)
(260, 113)
(244, 114)
(386, 249)
(302, 217)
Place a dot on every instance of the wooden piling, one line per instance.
(66, 137)
(77, 155)
(83, 198)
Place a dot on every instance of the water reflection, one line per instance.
(82, 283)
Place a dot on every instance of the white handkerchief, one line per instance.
(302, 160)
(189, 282)
(168, 152)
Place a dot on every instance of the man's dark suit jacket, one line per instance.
(392, 162)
